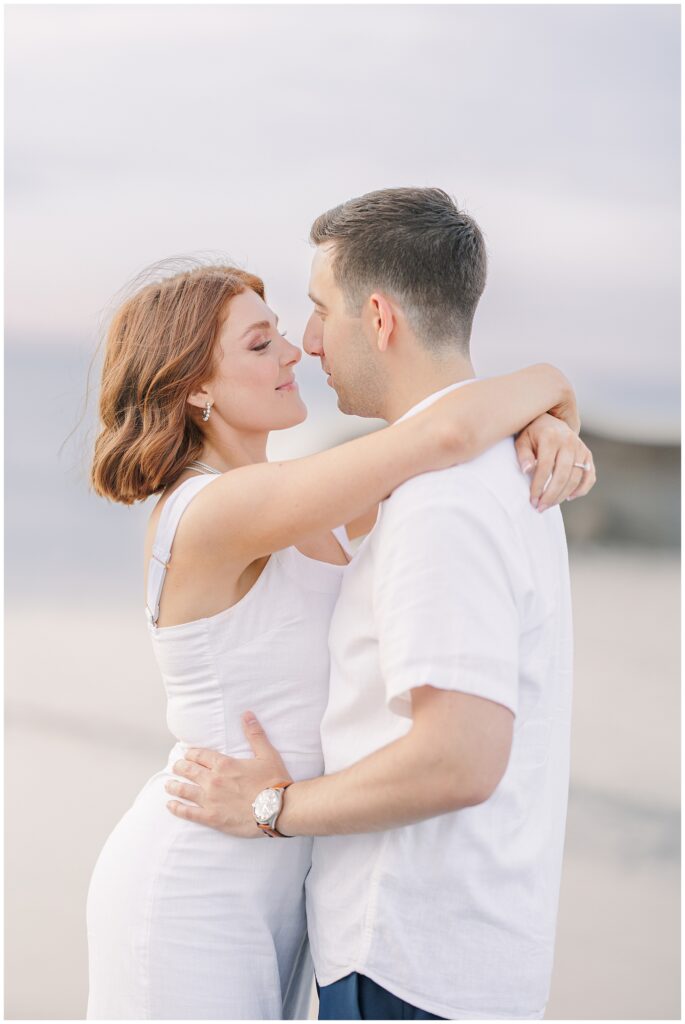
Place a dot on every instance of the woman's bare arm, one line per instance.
(255, 510)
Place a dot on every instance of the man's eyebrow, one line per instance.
(259, 325)
(317, 302)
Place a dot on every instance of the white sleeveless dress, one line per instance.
(185, 922)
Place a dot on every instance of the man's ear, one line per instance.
(383, 319)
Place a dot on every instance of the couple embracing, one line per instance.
(373, 745)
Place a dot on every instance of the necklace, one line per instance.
(202, 467)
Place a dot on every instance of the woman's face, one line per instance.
(254, 387)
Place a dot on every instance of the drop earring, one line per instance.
(206, 411)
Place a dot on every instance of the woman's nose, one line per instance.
(293, 354)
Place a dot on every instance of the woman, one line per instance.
(186, 922)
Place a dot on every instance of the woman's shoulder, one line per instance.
(184, 522)
(203, 577)
(163, 499)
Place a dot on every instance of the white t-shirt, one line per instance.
(464, 586)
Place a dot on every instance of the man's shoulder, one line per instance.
(494, 476)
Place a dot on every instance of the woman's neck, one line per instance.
(226, 453)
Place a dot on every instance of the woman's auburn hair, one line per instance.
(160, 347)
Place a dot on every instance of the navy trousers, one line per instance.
(356, 997)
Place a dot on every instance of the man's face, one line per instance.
(348, 356)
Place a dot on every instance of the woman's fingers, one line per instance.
(589, 476)
(560, 485)
(559, 474)
(524, 452)
(543, 472)
(574, 481)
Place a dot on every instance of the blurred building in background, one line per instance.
(637, 500)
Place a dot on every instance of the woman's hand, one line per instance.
(555, 452)
(567, 409)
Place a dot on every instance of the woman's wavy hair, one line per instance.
(161, 345)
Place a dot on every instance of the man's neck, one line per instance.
(416, 383)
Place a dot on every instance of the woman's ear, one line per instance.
(200, 398)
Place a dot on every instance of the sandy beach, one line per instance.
(85, 727)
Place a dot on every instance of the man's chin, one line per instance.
(352, 408)
(344, 405)
(348, 406)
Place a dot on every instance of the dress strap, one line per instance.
(169, 519)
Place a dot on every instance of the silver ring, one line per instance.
(583, 465)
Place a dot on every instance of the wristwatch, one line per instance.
(267, 806)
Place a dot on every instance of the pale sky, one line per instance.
(139, 132)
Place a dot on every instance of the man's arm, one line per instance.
(453, 757)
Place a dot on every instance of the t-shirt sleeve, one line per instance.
(445, 599)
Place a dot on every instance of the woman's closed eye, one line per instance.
(265, 344)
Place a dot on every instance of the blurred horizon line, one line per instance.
(647, 412)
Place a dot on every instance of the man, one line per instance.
(434, 885)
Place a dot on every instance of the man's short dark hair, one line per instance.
(416, 245)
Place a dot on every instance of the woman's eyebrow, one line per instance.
(259, 325)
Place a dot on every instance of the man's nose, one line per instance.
(312, 340)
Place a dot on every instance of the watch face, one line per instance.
(266, 804)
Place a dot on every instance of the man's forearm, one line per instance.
(453, 756)
(396, 785)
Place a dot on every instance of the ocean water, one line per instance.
(61, 542)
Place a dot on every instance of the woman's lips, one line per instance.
(291, 385)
